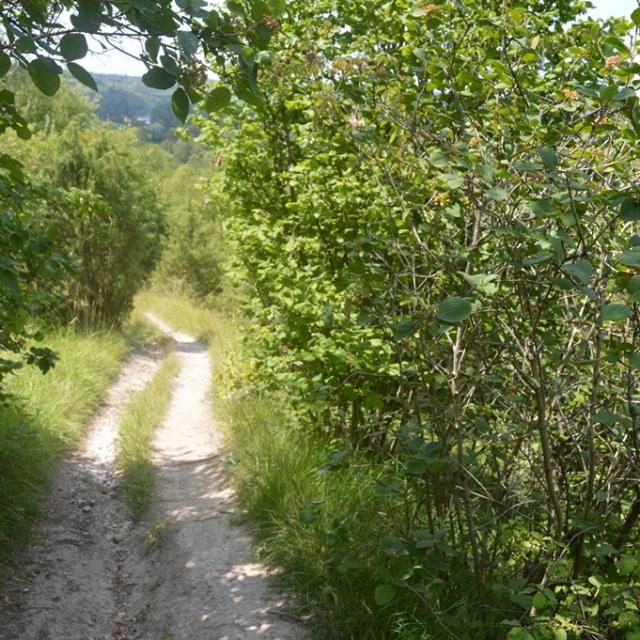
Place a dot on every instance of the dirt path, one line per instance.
(185, 573)
(65, 587)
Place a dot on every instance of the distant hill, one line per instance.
(125, 99)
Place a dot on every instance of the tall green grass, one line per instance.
(143, 415)
(318, 522)
(44, 417)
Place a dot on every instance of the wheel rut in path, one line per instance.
(66, 586)
(201, 580)
(185, 573)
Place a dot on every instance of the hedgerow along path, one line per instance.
(185, 571)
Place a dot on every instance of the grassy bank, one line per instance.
(143, 415)
(44, 418)
(317, 516)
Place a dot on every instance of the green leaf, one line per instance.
(543, 208)
(495, 193)
(454, 310)
(615, 312)
(152, 47)
(384, 594)
(188, 42)
(635, 16)
(539, 601)
(633, 288)
(158, 78)
(629, 258)
(439, 158)
(405, 328)
(560, 634)
(5, 63)
(581, 270)
(630, 209)
(624, 94)
(606, 417)
(43, 77)
(73, 46)
(634, 360)
(143, 5)
(180, 104)
(417, 466)
(218, 99)
(549, 158)
(82, 75)
(482, 281)
(453, 180)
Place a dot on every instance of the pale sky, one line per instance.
(116, 62)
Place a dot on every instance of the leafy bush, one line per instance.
(99, 193)
(436, 209)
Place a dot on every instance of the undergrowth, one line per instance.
(43, 417)
(143, 415)
(318, 517)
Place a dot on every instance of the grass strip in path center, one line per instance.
(143, 415)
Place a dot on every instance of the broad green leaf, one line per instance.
(630, 209)
(560, 634)
(417, 466)
(180, 104)
(634, 360)
(82, 75)
(152, 47)
(633, 288)
(158, 78)
(623, 94)
(453, 180)
(218, 99)
(73, 46)
(549, 158)
(405, 328)
(537, 258)
(482, 281)
(439, 158)
(46, 80)
(635, 16)
(615, 312)
(495, 193)
(629, 258)
(384, 594)
(539, 601)
(188, 42)
(143, 5)
(402, 569)
(606, 417)
(543, 208)
(581, 270)
(5, 63)
(454, 310)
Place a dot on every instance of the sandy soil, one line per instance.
(186, 572)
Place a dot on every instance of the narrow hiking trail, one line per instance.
(185, 572)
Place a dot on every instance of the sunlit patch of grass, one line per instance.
(143, 415)
(44, 417)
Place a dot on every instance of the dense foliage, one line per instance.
(100, 197)
(48, 37)
(436, 208)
